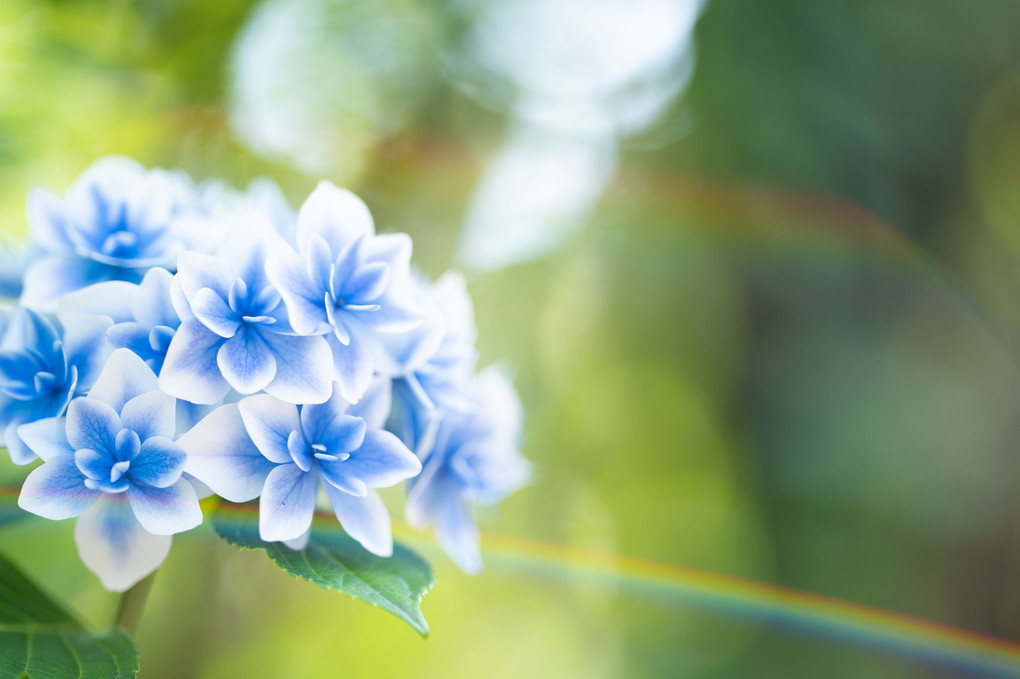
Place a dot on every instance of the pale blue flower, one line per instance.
(345, 281)
(236, 333)
(263, 446)
(432, 366)
(475, 460)
(42, 367)
(116, 221)
(112, 462)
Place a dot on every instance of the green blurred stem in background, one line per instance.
(132, 604)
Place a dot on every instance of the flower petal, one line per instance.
(48, 279)
(222, 456)
(374, 406)
(196, 271)
(159, 463)
(47, 220)
(246, 361)
(115, 547)
(353, 367)
(270, 422)
(330, 421)
(287, 503)
(92, 424)
(152, 414)
(304, 302)
(335, 214)
(110, 299)
(214, 313)
(364, 518)
(46, 438)
(307, 376)
(382, 460)
(190, 371)
(151, 303)
(165, 511)
(458, 535)
(124, 376)
(56, 490)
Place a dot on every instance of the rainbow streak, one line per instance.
(931, 643)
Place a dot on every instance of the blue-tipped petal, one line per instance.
(382, 460)
(335, 214)
(86, 347)
(222, 456)
(214, 313)
(124, 376)
(152, 414)
(93, 464)
(364, 518)
(247, 362)
(115, 547)
(196, 271)
(56, 490)
(353, 367)
(287, 503)
(270, 422)
(458, 535)
(190, 371)
(46, 438)
(335, 474)
(151, 304)
(374, 406)
(159, 463)
(92, 424)
(307, 377)
(165, 511)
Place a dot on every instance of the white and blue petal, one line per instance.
(335, 214)
(190, 371)
(458, 535)
(364, 518)
(47, 438)
(56, 490)
(210, 308)
(287, 504)
(223, 456)
(115, 547)
(353, 367)
(125, 376)
(247, 360)
(305, 302)
(270, 422)
(165, 511)
(152, 414)
(381, 461)
(159, 463)
(92, 424)
(306, 378)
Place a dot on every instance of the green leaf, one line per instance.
(336, 561)
(41, 640)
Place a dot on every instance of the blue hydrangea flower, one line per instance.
(42, 367)
(235, 332)
(112, 462)
(432, 367)
(345, 281)
(475, 460)
(263, 446)
(116, 221)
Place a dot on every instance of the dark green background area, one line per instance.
(782, 346)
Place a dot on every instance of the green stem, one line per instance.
(132, 604)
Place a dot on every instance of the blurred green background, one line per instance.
(754, 263)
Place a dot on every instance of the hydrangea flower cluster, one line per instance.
(173, 340)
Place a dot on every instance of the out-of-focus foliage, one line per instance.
(773, 331)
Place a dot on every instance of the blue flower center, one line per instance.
(253, 308)
(304, 454)
(28, 374)
(107, 470)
